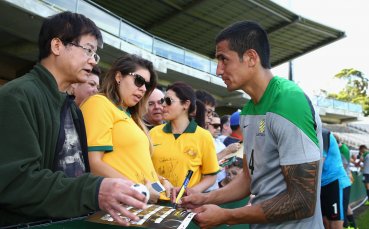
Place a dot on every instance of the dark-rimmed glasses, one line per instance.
(140, 81)
(89, 52)
(168, 100)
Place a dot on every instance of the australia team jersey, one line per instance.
(113, 131)
(282, 129)
(192, 150)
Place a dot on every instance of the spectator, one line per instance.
(200, 115)
(180, 144)
(220, 148)
(364, 157)
(355, 158)
(209, 102)
(154, 115)
(236, 135)
(225, 128)
(232, 171)
(118, 141)
(43, 161)
(83, 91)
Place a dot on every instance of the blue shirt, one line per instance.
(333, 167)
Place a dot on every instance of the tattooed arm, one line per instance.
(299, 200)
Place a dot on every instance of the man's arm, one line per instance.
(296, 203)
(237, 189)
(231, 148)
(28, 187)
(299, 200)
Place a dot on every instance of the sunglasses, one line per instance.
(215, 125)
(140, 81)
(168, 100)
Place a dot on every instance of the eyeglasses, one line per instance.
(215, 125)
(168, 100)
(89, 52)
(210, 112)
(139, 80)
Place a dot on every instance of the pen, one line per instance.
(183, 188)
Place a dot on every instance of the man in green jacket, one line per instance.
(43, 160)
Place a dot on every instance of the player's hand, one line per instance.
(116, 192)
(209, 216)
(191, 199)
(176, 190)
(154, 195)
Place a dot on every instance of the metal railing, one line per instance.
(119, 29)
(336, 104)
(122, 29)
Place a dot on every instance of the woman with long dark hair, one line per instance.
(118, 141)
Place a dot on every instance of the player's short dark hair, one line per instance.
(245, 35)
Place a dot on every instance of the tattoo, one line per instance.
(299, 200)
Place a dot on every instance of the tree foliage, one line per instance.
(356, 89)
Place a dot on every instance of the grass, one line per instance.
(362, 220)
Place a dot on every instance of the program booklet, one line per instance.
(154, 216)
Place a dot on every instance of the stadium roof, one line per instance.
(193, 24)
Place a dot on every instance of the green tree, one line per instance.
(356, 88)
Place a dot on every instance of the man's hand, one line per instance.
(232, 148)
(114, 193)
(209, 216)
(191, 198)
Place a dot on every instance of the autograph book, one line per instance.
(154, 216)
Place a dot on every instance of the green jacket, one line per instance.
(30, 109)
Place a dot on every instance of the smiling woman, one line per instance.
(118, 143)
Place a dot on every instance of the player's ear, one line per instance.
(250, 57)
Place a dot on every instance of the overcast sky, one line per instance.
(315, 70)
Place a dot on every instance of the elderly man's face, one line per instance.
(155, 108)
